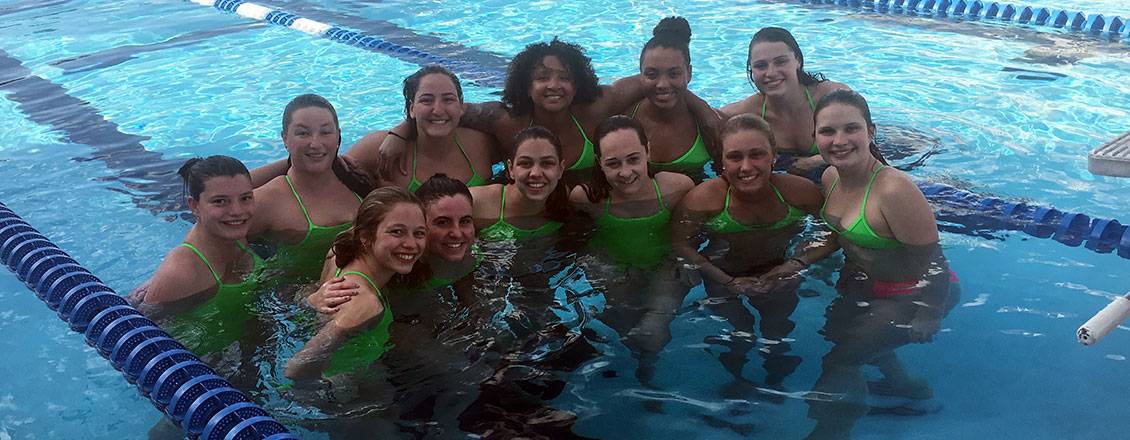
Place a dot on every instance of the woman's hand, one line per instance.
(802, 166)
(924, 326)
(749, 286)
(332, 294)
(393, 155)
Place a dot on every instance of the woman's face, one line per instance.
(536, 168)
(451, 228)
(747, 160)
(624, 161)
(774, 67)
(551, 85)
(436, 106)
(225, 207)
(400, 238)
(843, 135)
(665, 75)
(312, 139)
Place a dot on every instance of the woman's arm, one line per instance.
(686, 234)
(353, 318)
(260, 176)
(911, 221)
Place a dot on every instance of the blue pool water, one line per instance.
(183, 80)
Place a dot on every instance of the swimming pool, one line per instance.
(182, 80)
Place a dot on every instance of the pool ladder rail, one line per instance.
(1105, 321)
(1111, 158)
(185, 389)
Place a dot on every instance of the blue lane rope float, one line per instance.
(1070, 228)
(187, 390)
(467, 71)
(1111, 26)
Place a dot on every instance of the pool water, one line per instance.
(1010, 111)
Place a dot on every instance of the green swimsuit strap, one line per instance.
(502, 205)
(300, 205)
(475, 179)
(765, 102)
(659, 195)
(205, 260)
(638, 104)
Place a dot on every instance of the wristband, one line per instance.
(798, 260)
(393, 133)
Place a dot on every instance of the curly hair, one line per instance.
(519, 74)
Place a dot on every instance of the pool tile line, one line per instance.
(477, 75)
(1111, 26)
(185, 389)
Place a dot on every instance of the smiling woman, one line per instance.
(203, 290)
(538, 205)
(386, 239)
(305, 208)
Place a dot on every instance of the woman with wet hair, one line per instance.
(433, 104)
(895, 286)
(786, 95)
(631, 206)
(447, 256)
(552, 85)
(204, 290)
(749, 218)
(533, 202)
(681, 140)
(386, 239)
(305, 208)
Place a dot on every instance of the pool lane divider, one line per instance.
(477, 75)
(1111, 26)
(185, 389)
(1071, 228)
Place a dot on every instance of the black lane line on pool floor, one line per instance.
(150, 180)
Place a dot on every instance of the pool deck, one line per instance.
(1111, 158)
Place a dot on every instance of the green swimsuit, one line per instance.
(814, 150)
(693, 160)
(640, 242)
(503, 231)
(860, 232)
(307, 257)
(475, 179)
(588, 154)
(363, 349)
(724, 224)
(214, 325)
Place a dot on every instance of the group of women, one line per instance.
(634, 157)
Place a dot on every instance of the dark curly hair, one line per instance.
(519, 75)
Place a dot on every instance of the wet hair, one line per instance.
(197, 171)
(519, 74)
(779, 35)
(557, 206)
(358, 182)
(412, 85)
(597, 188)
(439, 186)
(749, 121)
(348, 244)
(672, 33)
(854, 99)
